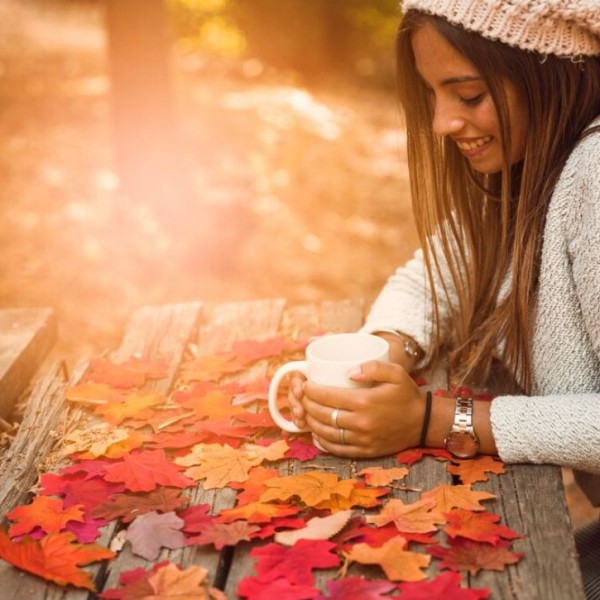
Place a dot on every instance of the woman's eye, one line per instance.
(473, 100)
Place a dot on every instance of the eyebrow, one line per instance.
(462, 79)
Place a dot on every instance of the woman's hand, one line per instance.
(295, 398)
(373, 421)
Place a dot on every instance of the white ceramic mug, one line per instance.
(329, 360)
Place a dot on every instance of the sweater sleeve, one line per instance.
(558, 429)
(404, 304)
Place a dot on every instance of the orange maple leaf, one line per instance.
(311, 487)
(218, 465)
(409, 518)
(47, 513)
(254, 486)
(257, 512)
(54, 557)
(92, 393)
(211, 367)
(359, 496)
(257, 454)
(475, 469)
(397, 563)
(448, 497)
(380, 476)
(477, 526)
(468, 555)
(133, 406)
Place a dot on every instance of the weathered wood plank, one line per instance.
(26, 336)
(221, 326)
(40, 429)
(302, 321)
(531, 500)
(151, 332)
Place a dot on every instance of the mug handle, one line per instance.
(298, 366)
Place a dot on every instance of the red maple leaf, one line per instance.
(91, 468)
(477, 526)
(55, 557)
(444, 587)
(413, 455)
(143, 471)
(252, 588)
(358, 588)
(296, 562)
(78, 489)
(49, 514)
(195, 518)
(467, 555)
(302, 448)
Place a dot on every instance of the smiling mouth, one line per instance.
(475, 144)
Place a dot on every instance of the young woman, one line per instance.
(502, 104)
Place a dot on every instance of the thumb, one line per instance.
(379, 372)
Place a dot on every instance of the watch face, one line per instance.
(462, 444)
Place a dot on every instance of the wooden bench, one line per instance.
(529, 499)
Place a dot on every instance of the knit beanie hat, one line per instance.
(561, 27)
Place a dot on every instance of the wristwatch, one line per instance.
(462, 442)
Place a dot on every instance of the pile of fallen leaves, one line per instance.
(140, 449)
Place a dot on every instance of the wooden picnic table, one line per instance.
(530, 499)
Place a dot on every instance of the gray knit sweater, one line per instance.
(560, 422)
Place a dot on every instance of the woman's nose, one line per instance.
(446, 121)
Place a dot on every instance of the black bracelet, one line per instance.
(425, 427)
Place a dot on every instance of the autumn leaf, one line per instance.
(257, 512)
(143, 471)
(92, 394)
(218, 465)
(317, 528)
(128, 506)
(413, 455)
(95, 441)
(417, 517)
(311, 487)
(55, 557)
(302, 449)
(445, 587)
(358, 588)
(295, 564)
(136, 405)
(195, 518)
(210, 367)
(49, 514)
(223, 534)
(254, 486)
(164, 580)
(360, 496)
(475, 469)
(468, 555)
(448, 497)
(252, 588)
(397, 563)
(272, 527)
(119, 376)
(378, 476)
(256, 453)
(173, 582)
(477, 526)
(152, 531)
(77, 489)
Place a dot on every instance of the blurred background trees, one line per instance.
(318, 39)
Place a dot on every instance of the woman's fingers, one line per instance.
(295, 398)
(376, 371)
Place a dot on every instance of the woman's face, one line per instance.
(462, 105)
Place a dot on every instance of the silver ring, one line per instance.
(334, 416)
(342, 436)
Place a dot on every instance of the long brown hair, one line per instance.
(486, 231)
